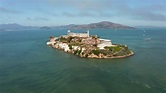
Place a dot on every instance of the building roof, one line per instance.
(105, 40)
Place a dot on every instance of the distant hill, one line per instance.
(65, 26)
(99, 25)
(4, 27)
(45, 28)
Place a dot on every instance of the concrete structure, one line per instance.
(64, 46)
(78, 34)
(104, 43)
(51, 41)
(90, 41)
(76, 48)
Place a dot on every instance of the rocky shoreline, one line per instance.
(86, 46)
(124, 56)
(95, 56)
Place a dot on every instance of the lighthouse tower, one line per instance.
(88, 32)
(68, 32)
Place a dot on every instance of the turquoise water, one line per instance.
(28, 65)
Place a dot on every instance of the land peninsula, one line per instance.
(86, 46)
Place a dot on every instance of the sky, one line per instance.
(63, 12)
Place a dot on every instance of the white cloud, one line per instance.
(110, 8)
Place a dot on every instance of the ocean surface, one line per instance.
(28, 65)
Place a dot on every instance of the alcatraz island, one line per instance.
(86, 46)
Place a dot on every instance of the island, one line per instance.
(86, 46)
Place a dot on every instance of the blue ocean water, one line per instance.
(28, 65)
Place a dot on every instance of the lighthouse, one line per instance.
(68, 32)
(88, 32)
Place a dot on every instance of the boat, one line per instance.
(147, 39)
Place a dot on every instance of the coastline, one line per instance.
(85, 46)
(115, 57)
(132, 53)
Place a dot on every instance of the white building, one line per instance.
(64, 46)
(76, 48)
(51, 41)
(104, 43)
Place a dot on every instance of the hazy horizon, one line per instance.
(64, 12)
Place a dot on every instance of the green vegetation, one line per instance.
(69, 38)
(95, 36)
(62, 39)
(96, 52)
(86, 55)
(104, 52)
(114, 48)
(122, 53)
(77, 52)
(70, 46)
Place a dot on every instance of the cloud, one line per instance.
(142, 9)
(37, 19)
(151, 12)
(145, 10)
(147, 15)
(88, 14)
(5, 10)
(78, 14)
(82, 5)
(68, 14)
